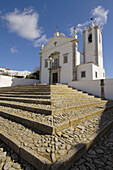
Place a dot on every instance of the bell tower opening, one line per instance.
(90, 38)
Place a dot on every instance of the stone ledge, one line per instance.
(28, 108)
(76, 153)
(26, 154)
(47, 128)
(69, 108)
(65, 162)
(27, 100)
(30, 123)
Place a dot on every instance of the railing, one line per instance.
(54, 65)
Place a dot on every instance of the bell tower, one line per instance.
(92, 44)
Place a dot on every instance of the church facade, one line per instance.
(61, 60)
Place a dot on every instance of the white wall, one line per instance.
(89, 86)
(87, 68)
(6, 81)
(99, 70)
(94, 87)
(66, 69)
(108, 88)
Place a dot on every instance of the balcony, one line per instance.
(55, 66)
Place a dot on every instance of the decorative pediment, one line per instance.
(57, 41)
(55, 53)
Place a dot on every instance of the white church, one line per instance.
(61, 60)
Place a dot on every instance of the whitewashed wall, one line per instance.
(87, 68)
(100, 72)
(66, 69)
(108, 88)
(89, 86)
(6, 81)
(94, 87)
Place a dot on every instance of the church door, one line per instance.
(55, 78)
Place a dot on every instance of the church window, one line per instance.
(46, 63)
(83, 74)
(90, 38)
(96, 74)
(65, 58)
(55, 63)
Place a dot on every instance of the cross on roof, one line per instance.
(55, 43)
(56, 28)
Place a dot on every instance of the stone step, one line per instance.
(55, 152)
(35, 88)
(26, 93)
(52, 137)
(42, 96)
(47, 109)
(46, 93)
(99, 156)
(28, 100)
(41, 90)
(82, 136)
(72, 107)
(48, 96)
(46, 101)
(9, 160)
(37, 108)
(48, 124)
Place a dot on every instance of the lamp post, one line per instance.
(50, 59)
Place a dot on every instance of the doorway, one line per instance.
(55, 78)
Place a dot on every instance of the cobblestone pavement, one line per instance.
(58, 105)
(99, 157)
(52, 120)
(11, 161)
(58, 145)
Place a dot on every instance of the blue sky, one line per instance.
(25, 24)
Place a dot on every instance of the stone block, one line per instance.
(38, 162)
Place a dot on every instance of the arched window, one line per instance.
(90, 38)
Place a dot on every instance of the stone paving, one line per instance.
(56, 146)
(56, 119)
(9, 160)
(99, 157)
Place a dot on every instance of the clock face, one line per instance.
(90, 38)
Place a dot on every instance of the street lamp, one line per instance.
(50, 60)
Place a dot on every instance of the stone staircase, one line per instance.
(51, 127)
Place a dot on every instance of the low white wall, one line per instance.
(94, 87)
(108, 88)
(6, 81)
(89, 86)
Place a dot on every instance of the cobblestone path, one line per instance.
(10, 160)
(99, 157)
(47, 131)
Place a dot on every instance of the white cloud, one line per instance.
(71, 31)
(24, 23)
(13, 50)
(38, 42)
(99, 14)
